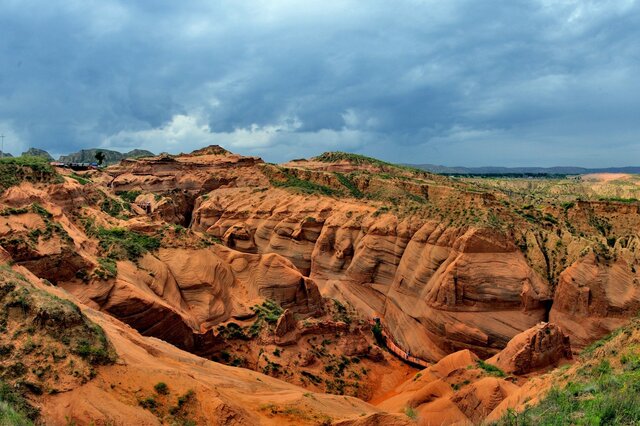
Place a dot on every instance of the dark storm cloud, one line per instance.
(457, 82)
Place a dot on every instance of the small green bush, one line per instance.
(491, 369)
(161, 388)
(149, 403)
(14, 408)
(411, 413)
(129, 196)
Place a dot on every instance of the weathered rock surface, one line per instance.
(595, 296)
(179, 295)
(285, 324)
(212, 393)
(474, 287)
(542, 346)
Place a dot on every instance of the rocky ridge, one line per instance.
(255, 265)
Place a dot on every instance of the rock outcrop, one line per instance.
(179, 295)
(465, 279)
(595, 296)
(119, 392)
(542, 346)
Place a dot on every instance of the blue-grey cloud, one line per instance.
(459, 82)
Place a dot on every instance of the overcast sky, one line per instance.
(505, 83)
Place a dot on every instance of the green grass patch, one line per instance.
(609, 399)
(490, 369)
(15, 170)
(95, 350)
(14, 408)
(129, 196)
(347, 183)
(107, 268)
(598, 394)
(113, 207)
(80, 179)
(304, 185)
(121, 243)
(411, 413)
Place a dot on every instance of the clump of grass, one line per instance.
(129, 196)
(148, 403)
(107, 268)
(161, 388)
(411, 413)
(14, 408)
(269, 311)
(491, 369)
(10, 211)
(184, 399)
(80, 179)
(341, 313)
(232, 331)
(95, 348)
(113, 207)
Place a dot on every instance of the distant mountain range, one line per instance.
(521, 170)
(86, 155)
(110, 157)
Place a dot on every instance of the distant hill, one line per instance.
(521, 170)
(5, 154)
(37, 152)
(111, 157)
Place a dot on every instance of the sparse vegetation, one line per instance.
(14, 170)
(490, 369)
(14, 408)
(107, 268)
(377, 333)
(81, 179)
(58, 340)
(353, 189)
(121, 243)
(129, 196)
(114, 207)
(411, 413)
(269, 311)
(95, 350)
(605, 390)
(149, 403)
(304, 186)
